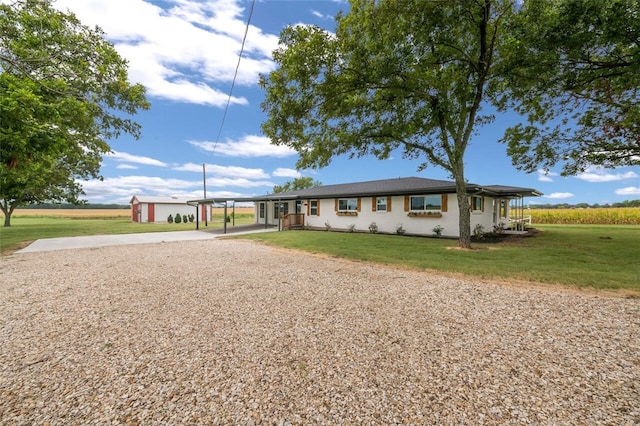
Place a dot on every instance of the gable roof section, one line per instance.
(407, 185)
(148, 199)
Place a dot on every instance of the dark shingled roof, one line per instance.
(406, 185)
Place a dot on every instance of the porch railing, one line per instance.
(293, 221)
(520, 222)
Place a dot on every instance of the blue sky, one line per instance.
(185, 53)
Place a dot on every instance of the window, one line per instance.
(426, 203)
(503, 208)
(381, 204)
(314, 208)
(477, 203)
(280, 209)
(347, 204)
(261, 213)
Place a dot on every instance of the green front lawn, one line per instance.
(597, 256)
(601, 256)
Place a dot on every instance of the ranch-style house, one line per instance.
(413, 205)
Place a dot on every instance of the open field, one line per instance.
(105, 213)
(72, 213)
(594, 216)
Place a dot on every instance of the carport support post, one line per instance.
(197, 216)
(225, 217)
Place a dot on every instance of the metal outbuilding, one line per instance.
(153, 209)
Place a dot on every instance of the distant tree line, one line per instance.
(77, 206)
(626, 203)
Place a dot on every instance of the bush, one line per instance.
(178, 218)
(352, 227)
(373, 228)
(437, 230)
(478, 231)
(191, 217)
(327, 226)
(400, 230)
(170, 219)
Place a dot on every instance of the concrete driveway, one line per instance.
(51, 244)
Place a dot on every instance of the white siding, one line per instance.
(164, 210)
(389, 221)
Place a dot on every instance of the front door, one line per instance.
(152, 212)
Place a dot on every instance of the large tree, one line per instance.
(411, 75)
(63, 93)
(576, 77)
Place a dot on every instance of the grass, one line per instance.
(595, 256)
(30, 227)
(601, 257)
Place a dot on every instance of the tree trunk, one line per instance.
(464, 217)
(7, 209)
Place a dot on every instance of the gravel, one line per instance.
(234, 332)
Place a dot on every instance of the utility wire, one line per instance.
(235, 75)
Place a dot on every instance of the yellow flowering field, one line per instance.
(593, 216)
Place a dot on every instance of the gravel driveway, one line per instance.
(234, 332)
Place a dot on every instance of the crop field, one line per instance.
(593, 216)
(74, 213)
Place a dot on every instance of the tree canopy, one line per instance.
(422, 77)
(397, 75)
(63, 93)
(577, 80)
(296, 184)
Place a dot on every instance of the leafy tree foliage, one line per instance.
(577, 79)
(296, 184)
(397, 75)
(63, 93)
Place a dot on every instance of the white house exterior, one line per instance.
(149, 209)
(415, 205)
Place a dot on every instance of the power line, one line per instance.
(235, 75)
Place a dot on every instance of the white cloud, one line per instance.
(597, 174)
(248, 146)
(137, 159)
(186, 52)
(560, 195)
(126, 167)
(289, 173)
(121, 189)
(630, 190)
(544, 176)
(214, 170)
(237, 182)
